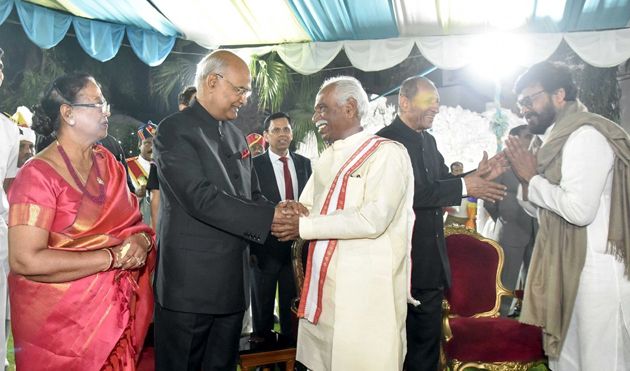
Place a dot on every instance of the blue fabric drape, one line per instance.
(5, 10)
(151, 47)
(45, 27)
(138, 13)
(100, 40)
(332, 20)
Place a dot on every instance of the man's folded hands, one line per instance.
(286, 225)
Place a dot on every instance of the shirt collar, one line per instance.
(351, 141)
(274, 157)
(144, 163)
(543, 137)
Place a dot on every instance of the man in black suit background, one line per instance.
(517, 230)
(271, 262)
(434, 188)
(211, 208)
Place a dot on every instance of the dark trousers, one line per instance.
(193, 341)
(424, 330)
(263, 297)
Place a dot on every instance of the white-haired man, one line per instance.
(354, 299)
(211, 207)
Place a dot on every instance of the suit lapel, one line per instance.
(270, 178)
(300, 172)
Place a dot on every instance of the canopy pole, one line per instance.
(422, 74)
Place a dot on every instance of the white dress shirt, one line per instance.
(9, 149)
(278, 170)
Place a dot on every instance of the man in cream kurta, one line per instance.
(597, 331)
(361, 325)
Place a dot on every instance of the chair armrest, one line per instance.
(446, 326)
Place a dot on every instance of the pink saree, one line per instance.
(98, 322)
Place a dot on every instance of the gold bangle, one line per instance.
(111, 260)
(149, 241)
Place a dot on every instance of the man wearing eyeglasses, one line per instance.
(211, 207)
(577, 186)
(282, 174)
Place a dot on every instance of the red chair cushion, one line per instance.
(493, 340)
(474, 266)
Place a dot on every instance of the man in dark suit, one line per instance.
(434, 188)
(211, 208)
(517, 230)
(271, 262)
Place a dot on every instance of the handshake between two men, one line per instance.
(286, 225)
(479, 184)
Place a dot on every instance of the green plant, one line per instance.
(271, 78)
(170, 77)
(27, 90)
(303, 92)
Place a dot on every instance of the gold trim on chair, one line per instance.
(447, 334)
(500, 289)
(497, 366)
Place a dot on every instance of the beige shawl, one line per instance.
(560, 248)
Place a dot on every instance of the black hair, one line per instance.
(552, 76)
(63, 90)
(276, 115)
(517, 130)
(186, 95)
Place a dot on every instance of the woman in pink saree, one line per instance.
(80, 256)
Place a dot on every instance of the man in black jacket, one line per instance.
(211, 208)
(271, 262)
(434, 188)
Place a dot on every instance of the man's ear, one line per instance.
(403, 103)
(211, 80)
(558, 97)
(350, 109)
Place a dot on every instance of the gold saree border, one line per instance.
(32, 215)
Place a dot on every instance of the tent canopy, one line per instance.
(308, 34)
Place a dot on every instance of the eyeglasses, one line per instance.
(240, 91)
(284, 130)
(528, 101)
(104, 106)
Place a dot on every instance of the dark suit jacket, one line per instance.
(273, 253)
(517, 228)
(434, 187)
(211, 207)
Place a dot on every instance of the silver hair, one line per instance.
(347, 87)
(209, 64)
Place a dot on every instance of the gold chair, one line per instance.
(474, 334)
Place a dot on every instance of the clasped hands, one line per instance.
(132, 253)
(286, 224)
(522, 160)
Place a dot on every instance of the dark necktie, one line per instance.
(288, 182)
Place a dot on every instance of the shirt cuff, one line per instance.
(464, 190)
(307, 228)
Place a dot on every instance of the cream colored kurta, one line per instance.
(362, 324)
(598, 337)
